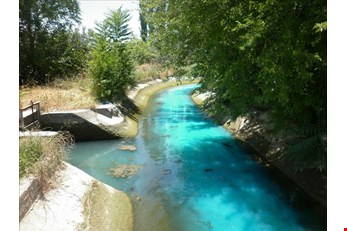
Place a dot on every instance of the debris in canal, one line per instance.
(125, 170)
(127, 147)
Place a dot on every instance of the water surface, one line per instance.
(194, 176)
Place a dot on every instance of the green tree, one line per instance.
(111, 66)
(111, 69)
(144, 26)
(142, 52)
(45, 33)
(255, 55)
(115, 27)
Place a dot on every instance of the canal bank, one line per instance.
(107, 121)
(252, 133)
(76, 199)
(192, 175)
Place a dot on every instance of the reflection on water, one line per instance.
(193, 176)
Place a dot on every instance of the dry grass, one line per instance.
(67, 94)
(43, 156)
(76, 93)
(150, 71)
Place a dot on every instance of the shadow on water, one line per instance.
(128, 108)
(293, 195)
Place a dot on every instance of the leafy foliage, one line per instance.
(144, 26)
(115, 27)
(308, 145)
(111, 66)
(254, 55)
(111, 69)
(30, 151)
(142, 52)
(48, 45)
(309, 152)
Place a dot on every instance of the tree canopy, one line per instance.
(254, 54)
(49, 46)
(264, 55)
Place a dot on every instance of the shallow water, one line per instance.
(194, 176)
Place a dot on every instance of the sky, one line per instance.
(95, 10)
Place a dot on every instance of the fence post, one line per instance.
(32, 111)
(38, 110)
(21, 118)
(35, 113)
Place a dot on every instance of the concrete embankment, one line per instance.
(141, 96)
(77, 201)
(84, 124)
(105, 121)
(252, 133)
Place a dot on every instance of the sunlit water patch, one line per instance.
(192, 176)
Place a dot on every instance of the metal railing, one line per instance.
(29, 114)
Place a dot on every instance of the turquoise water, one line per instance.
(193, 175)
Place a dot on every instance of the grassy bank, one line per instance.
(74, 93)
(42, 156)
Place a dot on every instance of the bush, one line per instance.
(142, 52)
(111, 69)
(111, 66)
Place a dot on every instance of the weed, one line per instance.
(43, 156)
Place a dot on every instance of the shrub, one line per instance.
(111, 66)
(111, 69)
(142, 52)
